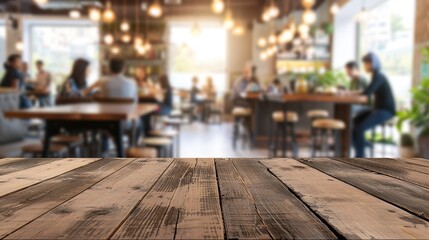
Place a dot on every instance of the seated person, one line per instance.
(76, 84)
(358, 82)
(195, 90)
(209, 89)
(117, 86)
(384, 104)
(42, 84)
(276, 87)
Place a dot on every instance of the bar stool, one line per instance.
(171, 134)
(177, 125)
(242, 117)
(317, 114)
(324, 131)
(142, 152)
(162, 145)
(36, 150)
(284, 125)
(72, 142)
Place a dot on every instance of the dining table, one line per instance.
(206, 198)
(80, 117)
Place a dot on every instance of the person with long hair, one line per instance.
(76, 84)
(384, 104)
(14, 78)
(143, 81)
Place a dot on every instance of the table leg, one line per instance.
(51, 129)
(117, 132)
(284, 135)
(343, 112)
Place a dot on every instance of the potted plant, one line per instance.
(418, 114)
(407, 149)
(328, 82)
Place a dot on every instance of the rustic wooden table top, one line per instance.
(214, 198)
(310, 97)
(86, 111)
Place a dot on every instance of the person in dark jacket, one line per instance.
(14, 78)
(384, 107)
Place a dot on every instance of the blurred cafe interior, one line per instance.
(214, 78)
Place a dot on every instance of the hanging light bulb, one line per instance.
(108, 14)
(125, 26)
(141, 50)
(266, 16)
(19, 46)
(303, 29)
(262, 42)
(218, 6)
(263, 56)
(147, 46)
(126, 38)
(94, 14)
(272, 39)
(138, 41)
(286, 36)
(155, 9)
(115, 50)
(108, 39)
(309, 17)
(238, 30)
(75, 14)
(229, 20)
(362, 16)
(273, 10)
(308, 3)
(41, 2)
(334, 8)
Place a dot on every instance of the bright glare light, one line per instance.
(266, 17)
(308, 3)
(138, 41)
(126, 38)
(238, 30)
(75, 14)
(108, 14)
(309, 17)
(41, 2)
(19, 46)
(229, 20)
(304, 29)
(273, 11)
(218, 6)
(263, 56)
(115, 50)
(125, 26)
(262, 42)
(155, 9)
(272, 39)
(147, 46)
(286, 36)
(94, 14)
(334, 8)
(108, 39)
(141, 50)
(362, 16)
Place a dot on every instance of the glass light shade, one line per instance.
(218, 6)
(115, 50)
(308, 3)
(108, 39)
(262, 42)
(334, 8)
(272, 39)
(273, 11)
(125, 26)
(75, 14)
(309, 17)
(155, 9)
(94, 14)
(126, 38)
(228, 23)
(108, 14)
(304, 29)
(19, 46)
(266, 16)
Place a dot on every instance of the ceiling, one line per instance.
(243, 9)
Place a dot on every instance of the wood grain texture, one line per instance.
(389, 189)
(338, 99)
(14, 165)
(418, 162)
(283, 215)
(392, 168)
(98, 211)
(183, 204)
(21, 179)
(352, 212)
(22, 207)
(4, 161)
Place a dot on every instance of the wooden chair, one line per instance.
(327, 136)
(162, 145)
(288, 133)
(242, 117)
(36, 150)
(141, 152)
(72, 142)
(171, 134)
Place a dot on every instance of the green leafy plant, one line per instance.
(418, 114)
(332, 78)
(407, 140)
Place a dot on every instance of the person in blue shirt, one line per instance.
(383, 109)
(14, 78)
(76, 84)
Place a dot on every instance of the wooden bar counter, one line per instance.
(214, 198)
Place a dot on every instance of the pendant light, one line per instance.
(309, 17)
(266, 16)
(334, 8)
(238, 29)
(41, 2)
(362, 15)
(308, 3)
(304, 29)
(262, 42)
(138, 40)
(75, 13)
(263, 56)
(115, 50)
(108, 14)
(126, 38)
(108, 39)
(228, 23)
(218, 6)
(286, 36)
(94, 14)
(19, 46)
(125, 26)
(273, 10)
(272, 39)
(155, 9)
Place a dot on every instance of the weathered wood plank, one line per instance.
(419, 162)
(394, 168)
(352, 212)
(403, 194)
(18, 209)
(21, 179)
(283, 214)
(19, 164)
(184, 203)
(98, 211)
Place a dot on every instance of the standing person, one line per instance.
(358, 82)
(43, 84)
(195, 89)
(14, 78)
(167, 103)
(241, 86)
(384, 104)
(76, 84)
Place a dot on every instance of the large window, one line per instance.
(58, 44)
(388, 31)
(197, 50)
(2, 46)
